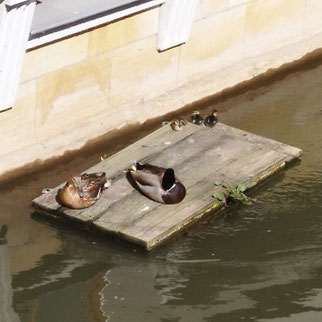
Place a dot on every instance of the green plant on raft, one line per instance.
(234, 192)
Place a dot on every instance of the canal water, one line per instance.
(252, 263)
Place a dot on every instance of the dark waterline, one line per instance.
(257, 263)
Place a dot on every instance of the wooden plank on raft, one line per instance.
(199, 156)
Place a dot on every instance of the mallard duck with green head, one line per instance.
(157, 183)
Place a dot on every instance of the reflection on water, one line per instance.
(6, 310)
(257, 263)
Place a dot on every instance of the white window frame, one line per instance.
(83, 26)
(15, 21)
(175, 22)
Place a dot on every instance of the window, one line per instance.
(60, 18)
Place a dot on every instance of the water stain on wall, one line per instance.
(72, 82)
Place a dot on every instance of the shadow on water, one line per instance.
(256, 263)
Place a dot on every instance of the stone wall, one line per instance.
(79, 88)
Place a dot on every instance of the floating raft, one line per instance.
(199, 156)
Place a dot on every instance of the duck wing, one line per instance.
(99, 177)
(146, 178)
(77, 182)
(147, 174)
(92, 185)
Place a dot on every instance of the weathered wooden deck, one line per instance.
(199, 156)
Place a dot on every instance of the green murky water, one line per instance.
(258, 263)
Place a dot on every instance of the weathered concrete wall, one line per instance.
(79, 88)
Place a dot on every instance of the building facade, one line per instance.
(70, 73)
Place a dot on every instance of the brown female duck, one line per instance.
(83, 191)
(157, 183)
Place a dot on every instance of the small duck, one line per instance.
(83, 191)
(178, 124)
(196, 118)
(157, 183)
(212, 119)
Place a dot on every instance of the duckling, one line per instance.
(84, 190)
(178, 124)
(157, 183)
(196, 118)
(212, 119)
